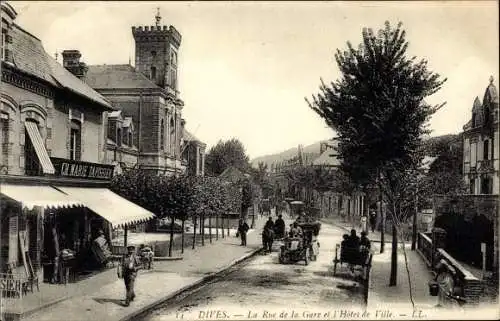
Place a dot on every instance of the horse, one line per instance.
(267, 239)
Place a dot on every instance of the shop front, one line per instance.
(53, 228)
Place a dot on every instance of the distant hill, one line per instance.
(432, 147)
(311, 151)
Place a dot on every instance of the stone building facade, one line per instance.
(481, 144)
(148, 97)
(54, 173)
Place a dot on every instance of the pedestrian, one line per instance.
(242, 231)
(373, 220)
(363, 223)
(127, 270)
(279, 227)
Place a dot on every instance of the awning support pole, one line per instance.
(125, 235)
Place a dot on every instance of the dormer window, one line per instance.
(153, 73)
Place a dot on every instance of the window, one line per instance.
(486, 115)
(172, 135)
(486, 149)
(173, 78)
(472, 186)
(486, 185)
(4, 43)
(473, 120)
(4, 139)
(473, 154)
(162, 135)
(75, 144)
(31, 163)
(153, 73)
(153, 54)
(118, 136)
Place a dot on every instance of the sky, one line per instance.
(246, 67)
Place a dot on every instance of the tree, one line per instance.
(226, 154)
(377, 107)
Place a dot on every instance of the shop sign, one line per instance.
(76, 169)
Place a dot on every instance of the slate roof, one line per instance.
(30, 57)
(189, 137)
(117, 77)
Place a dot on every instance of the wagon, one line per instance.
(353, 257)
(295, 249)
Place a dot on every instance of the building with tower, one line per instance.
(149, 131)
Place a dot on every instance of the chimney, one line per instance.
(71, 61)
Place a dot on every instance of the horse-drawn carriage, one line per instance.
(353, 257)
(301, 248)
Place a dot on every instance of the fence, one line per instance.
(472, 287)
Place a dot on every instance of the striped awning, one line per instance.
(112, 207)
(41, 152)
(45, 196)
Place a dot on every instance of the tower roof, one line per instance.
(491, 93)
(117, 77)
(477, 104)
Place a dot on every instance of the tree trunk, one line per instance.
(414, 228)
(202, 227)
(210, 228)
(182, 236)
(222, 225)
(195, 220)
(217, 227)
(394, 256)
(228, 226)
(382, 223)
(171, 243)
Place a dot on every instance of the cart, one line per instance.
(295, 249)
(353, 257)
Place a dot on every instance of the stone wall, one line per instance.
(470, 207)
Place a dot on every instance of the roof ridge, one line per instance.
(26, 32)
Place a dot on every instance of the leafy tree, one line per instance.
(226, 154)
(377, 107)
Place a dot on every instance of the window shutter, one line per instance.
(13, 239)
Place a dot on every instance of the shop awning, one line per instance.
(45, 196)
(41, 152)
(112, 207)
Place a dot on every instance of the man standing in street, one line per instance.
(373, 220)
(242, 231)
(128, 270)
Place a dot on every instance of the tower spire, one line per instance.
(158, 17)
(492, 79)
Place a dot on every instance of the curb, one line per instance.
(188, 287)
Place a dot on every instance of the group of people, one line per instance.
(354, 241)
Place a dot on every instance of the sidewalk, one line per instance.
(92, 300)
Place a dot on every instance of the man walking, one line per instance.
(373, 220)
(242, 231)
(128, 268)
